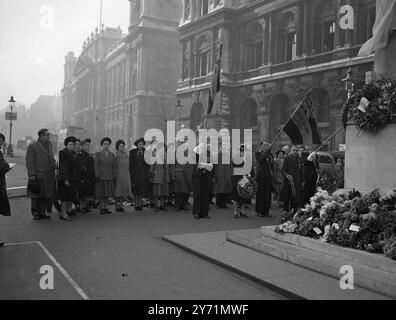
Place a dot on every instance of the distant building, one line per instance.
(46, 112)
(274, 53)
(122, 85)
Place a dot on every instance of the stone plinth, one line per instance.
(370, 160)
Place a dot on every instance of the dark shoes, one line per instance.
(120, 209)
(263, 216)
(243, 215)
(85, 210)
(139, 208)
(105, 211)
(67, 218)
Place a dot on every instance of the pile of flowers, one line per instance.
(373, 107)
(348, 219)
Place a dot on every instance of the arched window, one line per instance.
(321, 103)
(197, 112)
(248, 114)
(287, 38)
(325, 26)
(203, 57)
(254, 46)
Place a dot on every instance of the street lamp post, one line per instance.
(178, 108)
(349, 83)
(10, 151)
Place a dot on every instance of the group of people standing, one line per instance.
(296, 173)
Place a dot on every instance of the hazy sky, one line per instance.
(35, 36)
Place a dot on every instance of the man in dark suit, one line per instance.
(291, 193)
(40, 165)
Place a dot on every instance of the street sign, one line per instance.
(11, 116)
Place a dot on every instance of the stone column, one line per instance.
(349, 33)
(193, 8)
(300, 29)
(306, 30)
(263, 23)
(271, 40)
(338, 30)
(263, 120)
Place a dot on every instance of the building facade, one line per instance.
(124, 84)
(274, 53)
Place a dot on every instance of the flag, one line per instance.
(385, 22)
(215, 86)
(302, 127)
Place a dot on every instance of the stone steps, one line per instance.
(291, 280)
(311, 257)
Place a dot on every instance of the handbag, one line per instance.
(34, 187)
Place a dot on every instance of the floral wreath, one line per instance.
(373, 107)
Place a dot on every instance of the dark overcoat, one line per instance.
(139, 171)
(87, 186)
(40, 163)
(291, 166)
(182, 176)
(264, 181)
(223, 174)
(4, 203)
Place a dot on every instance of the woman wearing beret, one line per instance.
(139, 171)
(68, 179)
(105, 175)
(123, 184)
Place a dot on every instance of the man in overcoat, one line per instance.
(291, 193)
(40, 165)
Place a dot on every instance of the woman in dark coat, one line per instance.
(105, 175)
(139, 171)
(223, 183)
(310, 177)
(4, 168)
(69, 177)
(240, 204)
(291, 195)
(264, 181)
(87, 186)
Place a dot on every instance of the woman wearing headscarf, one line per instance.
(123, 184)
(139, 171)
(240, 204)
(264, 181)
(68, 178)
(4, 168)
(105, 175)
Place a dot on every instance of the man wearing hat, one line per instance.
(139, 171)
(40, 165)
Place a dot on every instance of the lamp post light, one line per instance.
(178, 108)
(349, 83)
(10, 151)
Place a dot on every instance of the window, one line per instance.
(325, 30)
(287, 38)
(187, 10)
(254, 46)
(203, 57)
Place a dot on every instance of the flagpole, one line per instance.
(281, 130)
(329, 139)
(101, 14)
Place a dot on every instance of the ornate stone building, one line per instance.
(274, 53)
(121, 85)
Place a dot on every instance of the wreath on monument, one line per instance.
(373, 107)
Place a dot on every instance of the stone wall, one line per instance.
(369, 162)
